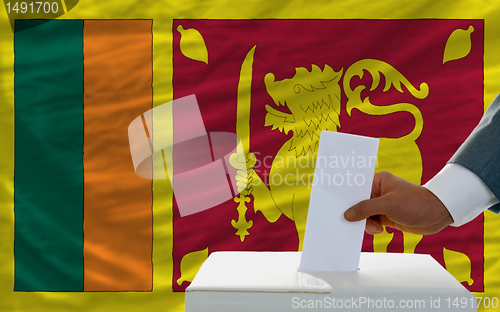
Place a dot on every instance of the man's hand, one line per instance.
(402, 205)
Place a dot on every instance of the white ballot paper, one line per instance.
(343, 176)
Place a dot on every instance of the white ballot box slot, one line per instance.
(270, 281)
(331, 272)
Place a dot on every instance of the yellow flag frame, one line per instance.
(162, 12)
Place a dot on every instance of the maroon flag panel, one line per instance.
(439, 102)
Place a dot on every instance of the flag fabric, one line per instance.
(294, 96)
(81, 231)
(83, 219)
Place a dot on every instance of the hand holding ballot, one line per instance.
(402, 205)
(466, 186)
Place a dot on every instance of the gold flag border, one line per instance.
(163, 13)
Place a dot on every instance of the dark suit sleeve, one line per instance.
(480, 153)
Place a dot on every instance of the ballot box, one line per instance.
(271, 282)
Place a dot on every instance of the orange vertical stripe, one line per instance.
(117, 203)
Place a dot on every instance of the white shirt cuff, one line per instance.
(462, 192)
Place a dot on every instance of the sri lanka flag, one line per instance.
(84, 219)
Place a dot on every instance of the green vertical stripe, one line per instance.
(48, 182)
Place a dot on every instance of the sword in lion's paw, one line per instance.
(242, 160)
